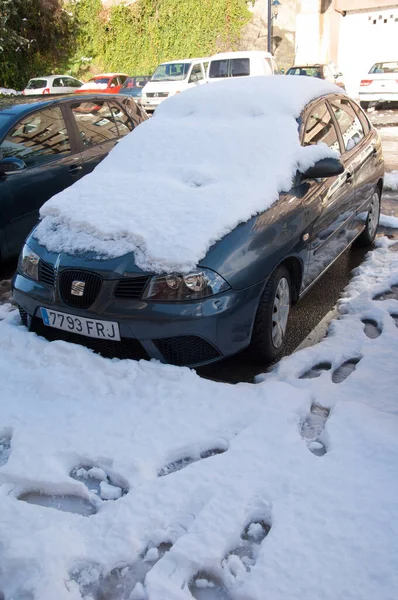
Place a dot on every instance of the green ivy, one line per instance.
(137, 37)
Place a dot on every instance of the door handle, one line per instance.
(74, 169)
(374, 151)
(348, 178)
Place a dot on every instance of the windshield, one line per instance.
(36, 84)
(171, 72)
(385, 67)
(306, 71)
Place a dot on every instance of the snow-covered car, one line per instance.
(52, 84)
(192, 239)
(380, 84)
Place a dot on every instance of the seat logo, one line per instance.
(77, 288)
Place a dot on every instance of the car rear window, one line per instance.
(306, 71)
(36, 84)
(101, 80)
(234, 67)
(385, 67)
(218, 68)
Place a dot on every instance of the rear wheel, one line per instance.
(270, 325)
(372, 221)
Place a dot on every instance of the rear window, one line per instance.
(99, 80)
(385, 67)
(129, 83)
(234, 67)
(36, 84)
(306, 71)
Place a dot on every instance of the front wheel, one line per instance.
(270, 325)
(368, 235)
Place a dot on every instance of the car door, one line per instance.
(44, 143)
(98, 130)
(359, 150)
(330, 202)
(197, 75)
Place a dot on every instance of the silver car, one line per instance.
(52, 84)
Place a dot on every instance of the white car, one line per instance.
(52, 84)
(242, 64)
(380, 84)
(171, 78)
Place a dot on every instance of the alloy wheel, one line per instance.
(373, 215)
(280, 312)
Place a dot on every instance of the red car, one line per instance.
(107, 83)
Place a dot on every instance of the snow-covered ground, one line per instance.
(125, 480)
(7, 92)
(217, 155)
(391, 181)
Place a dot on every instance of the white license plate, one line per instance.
(104, 330)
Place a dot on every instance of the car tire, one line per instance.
(270, 324)
(364, 105)
(367, 237)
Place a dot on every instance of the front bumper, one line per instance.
(189, 333)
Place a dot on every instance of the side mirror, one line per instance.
(326, 167)
(10, 165)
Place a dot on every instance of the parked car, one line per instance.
(242, 64)
(322, 71)
(133, 92)
(107, 83)
(45, 146)
(95, 272)
(52, 84)
(380, 84)
(137, 81)
(171, 78)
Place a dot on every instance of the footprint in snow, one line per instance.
(387, 295)
(344, 370)
(312, 428)
(371, 328)
(105, 485)
(316, 370)
(5, 448)
(395, 317)
(181, 463)
(65, 503)
(122, 583)
(238, 562)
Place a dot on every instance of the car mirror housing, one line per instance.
(11, 165)
(326, 167)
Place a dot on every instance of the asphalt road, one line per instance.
(320, 300)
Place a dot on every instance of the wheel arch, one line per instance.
(296, 271)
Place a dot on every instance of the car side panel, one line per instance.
(262, 243)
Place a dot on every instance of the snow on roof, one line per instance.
(211, 158)
(184, 60)
(242, 54)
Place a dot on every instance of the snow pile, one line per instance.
(391, 181)
(286, 489)
(211, 158)
(388, 221)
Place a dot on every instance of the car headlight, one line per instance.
(193, 286)
(28, 263)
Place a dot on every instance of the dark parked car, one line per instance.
(327, 72)
(133, 92)
(242, 289)
(45, 146)
(134, 82)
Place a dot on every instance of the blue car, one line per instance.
(240, 293)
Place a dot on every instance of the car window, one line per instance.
(71, 82)
(349, 123)
(38, 138)
(58, 82)
(196, 73)
(131, 109)
(114, 82)
(122, 78)
(385, 67)
(36, 84)
(95, 122)
(240, 67)
(319, 127)
(218, 68)
(123, 123)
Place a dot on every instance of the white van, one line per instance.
(242, 64)
(172, 78)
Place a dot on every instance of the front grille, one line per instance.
(186, 350)
(46, 273)
(92, 287)
(157, 94)
(131, 287)
(126, 348)
(24, 316)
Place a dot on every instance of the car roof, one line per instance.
(308, 66)
(106, 75)
(25, 104)
(184, 60)
(50, 77)
(243, 54)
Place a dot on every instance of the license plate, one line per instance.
(104, 330)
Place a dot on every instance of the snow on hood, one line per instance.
(211, 158)
(93, 85)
